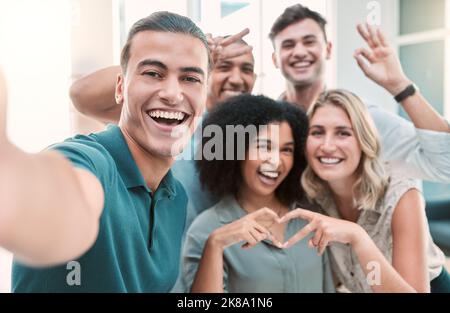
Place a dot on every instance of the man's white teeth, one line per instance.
(329, 160)
(232, 93)
(270, 174)
(301, 64)
(167, 115)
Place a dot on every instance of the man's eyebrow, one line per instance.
(306, 37)
(309, 36)
(224, 62)
(194, 69)
(150, 62)
(289, 40)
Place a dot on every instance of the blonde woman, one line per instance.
(375, 223)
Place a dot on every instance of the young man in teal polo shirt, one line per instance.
(232, 74)
(109, 200)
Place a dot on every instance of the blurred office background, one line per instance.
(46, 44)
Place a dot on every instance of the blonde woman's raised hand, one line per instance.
(326, 230)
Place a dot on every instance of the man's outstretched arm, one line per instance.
(93, 95)
(49, 210)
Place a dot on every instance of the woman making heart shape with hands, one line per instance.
(236, 245)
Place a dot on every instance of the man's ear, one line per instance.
(329, 50)
(119, 88)
(274, 60)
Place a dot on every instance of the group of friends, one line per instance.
(332, 199)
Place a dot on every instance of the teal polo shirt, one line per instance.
(186, 172)
(139, 241)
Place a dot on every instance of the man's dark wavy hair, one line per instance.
(163, 21)
(293, 15)
(223, 177)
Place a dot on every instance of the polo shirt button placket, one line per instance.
(153, 204)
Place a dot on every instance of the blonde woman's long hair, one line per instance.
(372, 180)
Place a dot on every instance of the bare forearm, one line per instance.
(419, 110)
(423, 115)
(93, 95)
(382, 275)
(45, 217)
(209, 277)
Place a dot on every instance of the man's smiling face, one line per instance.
(232, 77)
(163, 90)
(301, 52)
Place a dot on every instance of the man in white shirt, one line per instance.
(420, 149)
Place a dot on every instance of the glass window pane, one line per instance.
(194, 10)
(424, 63)
(419, 15)
(435, 191)
(229, 7)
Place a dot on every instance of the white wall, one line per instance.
(349, 14)
(35, 50)
(92, 46)
(137, 9)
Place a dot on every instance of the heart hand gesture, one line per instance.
(250, 229)
(327, 229)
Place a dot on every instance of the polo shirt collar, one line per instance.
(114, 142)
(168, 183)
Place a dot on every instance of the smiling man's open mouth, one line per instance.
(301, 64)
(228, 93)
(171, 118)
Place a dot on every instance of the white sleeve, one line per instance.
(412, 152)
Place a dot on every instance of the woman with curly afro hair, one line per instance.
(254, 166)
